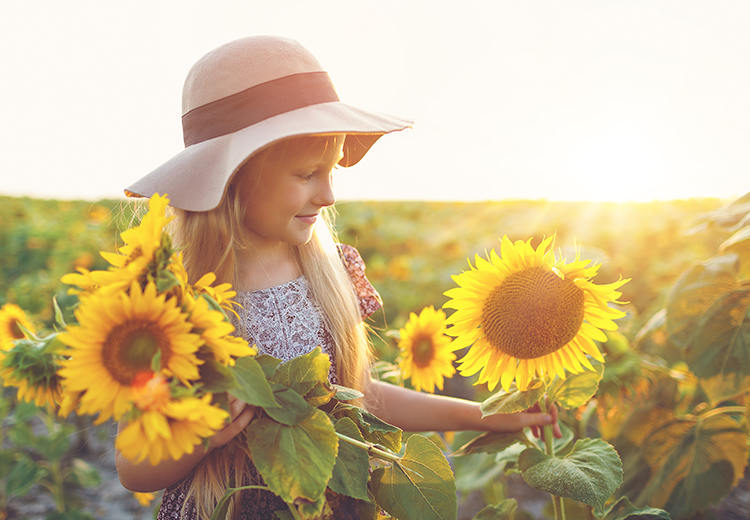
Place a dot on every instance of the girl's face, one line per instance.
(283, 188)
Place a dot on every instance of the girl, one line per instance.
(263, 130)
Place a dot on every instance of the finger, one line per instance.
(556, 430)
(535, 419)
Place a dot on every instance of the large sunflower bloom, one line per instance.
(171, 430)
(11, 316)
(117, 337)
(426, 353)
(527, 313)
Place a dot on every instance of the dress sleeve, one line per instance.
(369, 299)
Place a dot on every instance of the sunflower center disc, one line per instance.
(422, 352)
(130, 347)
(532, 313)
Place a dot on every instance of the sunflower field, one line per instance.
(641, 339)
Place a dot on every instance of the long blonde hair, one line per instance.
(210, 241)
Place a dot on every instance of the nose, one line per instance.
(324, 195)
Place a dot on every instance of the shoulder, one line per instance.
(369, 299)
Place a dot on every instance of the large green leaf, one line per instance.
(294, 461)
(721, 341)
(373, 429)
(694, 461)
(624, 510)
(418, 487)
(252, 385)
(505, 510)
(293, 407)
(344, 393)
(216, 377)
(695, 291)
(725, 386)
(589, 473)
(303, 372)
(352, 469)
(269, 364)
(490, 442)
(576, 389)
(512, 401)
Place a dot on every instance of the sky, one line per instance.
(630, 100)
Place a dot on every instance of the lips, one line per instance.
(307, 219)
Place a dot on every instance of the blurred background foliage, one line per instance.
(665, 391)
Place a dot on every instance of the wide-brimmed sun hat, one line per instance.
(243, 96)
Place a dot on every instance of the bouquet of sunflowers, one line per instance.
(146, 348)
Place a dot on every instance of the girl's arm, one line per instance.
(417, 411)
(145, 477)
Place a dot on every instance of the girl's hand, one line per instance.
(538, 429)
(533, 418)
(240, 415)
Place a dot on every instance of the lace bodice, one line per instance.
(284, 321)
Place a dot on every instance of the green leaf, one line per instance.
(352, 469)
(24, 474)
(269, 364)
(302, 373)
(505, 510)
(693, 462)
(156, 362)
(59, 319)
(589, 473)
(344, 393)
(252, 386)
(320, 394)
(294, 461)
(624, 510)
(293, 408)
(85, 474)
(721, 340)
(724, 386)
(490, 442)
(373, 429)
(418, 487)
(694, 292)
(576, 389)
(215, 377)
(513, 401)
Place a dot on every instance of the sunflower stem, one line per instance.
(557, 502)
(371, 449)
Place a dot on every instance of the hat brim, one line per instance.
(196, 178)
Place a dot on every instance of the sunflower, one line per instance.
(528, 313)
(144, 499)
(140, 246)
(170, 430)
(216, 332)
(11, 316)
(42, 395)
(220, 293)
(426, 353)
(117, 337)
